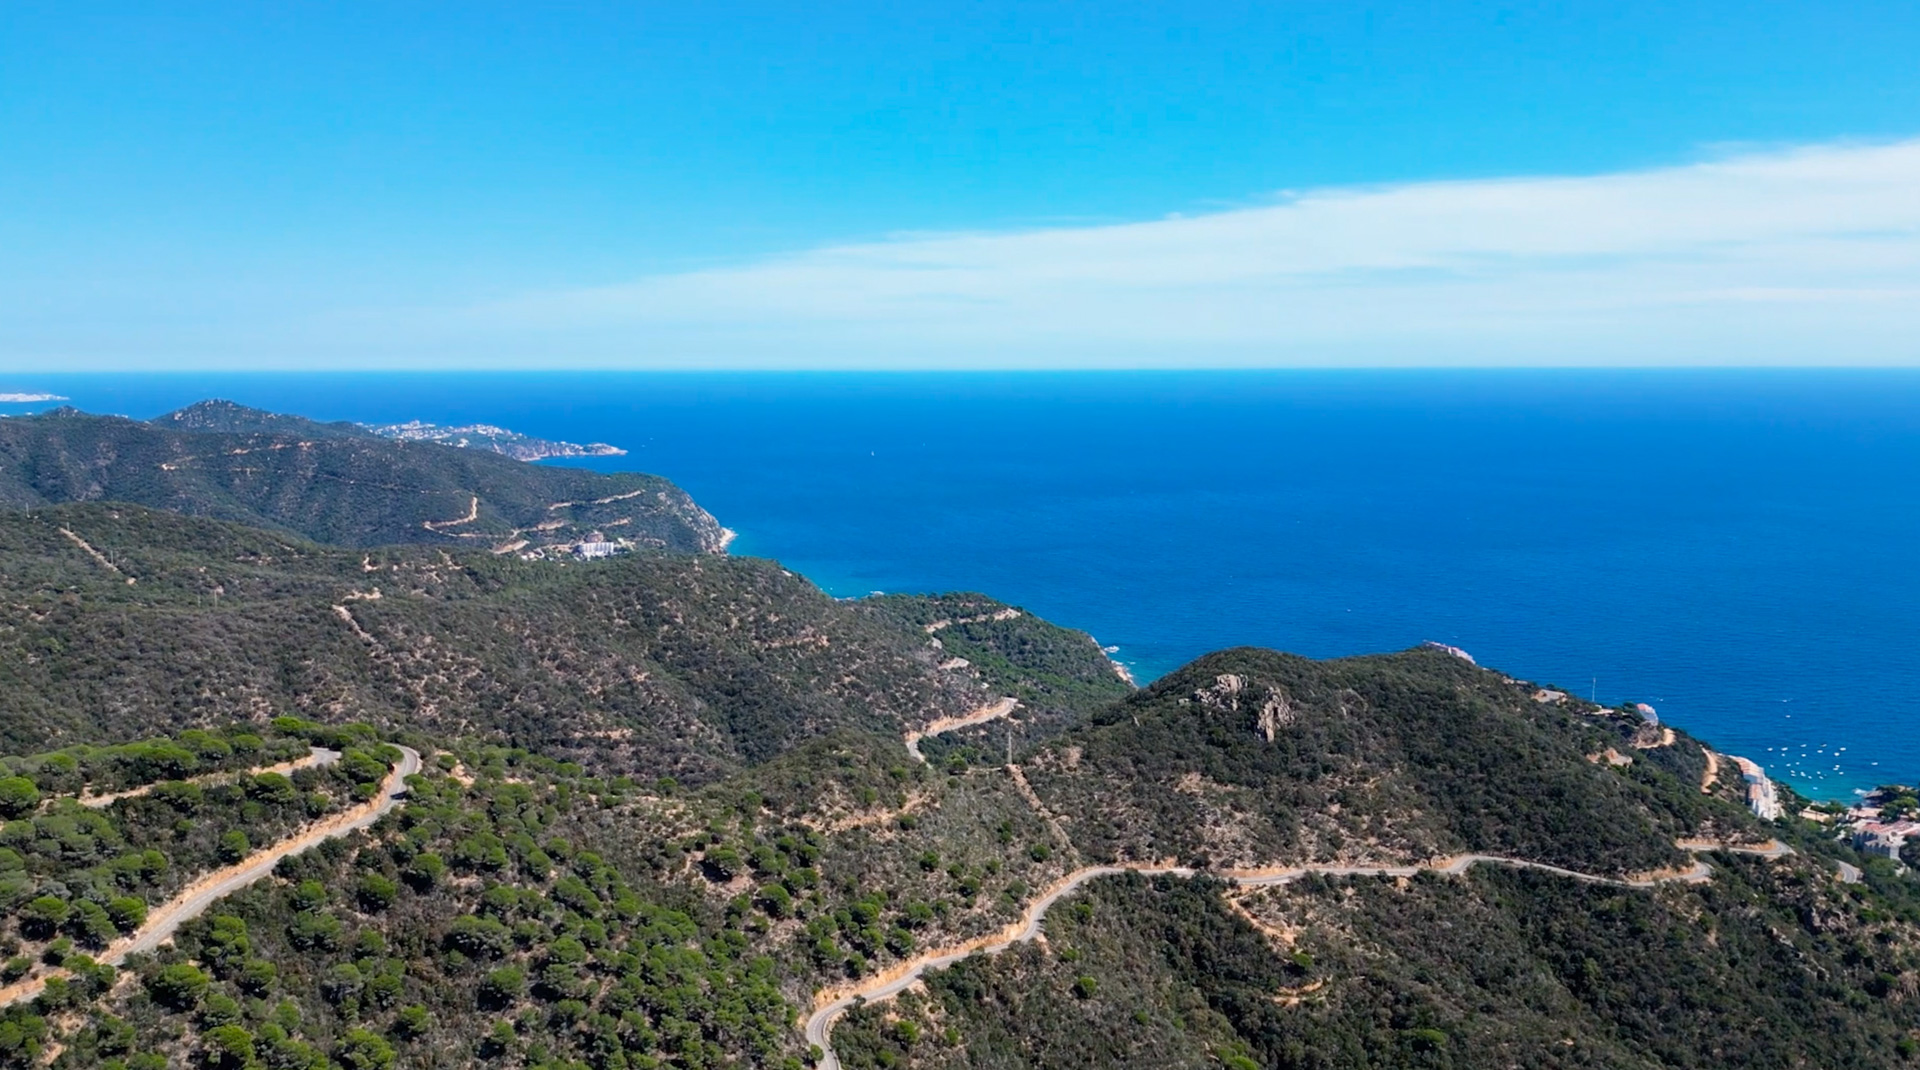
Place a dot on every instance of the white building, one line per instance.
(1762, 798)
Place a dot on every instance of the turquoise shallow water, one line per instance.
(1736, 548)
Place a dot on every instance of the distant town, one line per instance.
(494, 439)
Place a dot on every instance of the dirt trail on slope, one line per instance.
(830, 1003)
(319, 756)
(599, 501)
(102, 559)
(195, 898)
(1039, 808)
(473, 514)
(990, 712)
(1282, 937)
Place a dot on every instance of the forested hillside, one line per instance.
(1772, 964)
(1248, 756)
(226, 417)
(1060, 676)
(334, 485)
(117, 620)
(674, 807)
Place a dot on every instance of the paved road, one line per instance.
(193, 900)
(834, 1002)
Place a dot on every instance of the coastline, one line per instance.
(1256, 532)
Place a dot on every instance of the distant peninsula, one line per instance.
(340, 484)
(495, 439)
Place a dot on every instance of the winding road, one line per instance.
(317, 756)
(991, 711)
(831, 1003)
(193, 900)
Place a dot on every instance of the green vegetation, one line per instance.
(88, 875)
(1412, 755)
(666, 800)
(1770, 965)
(468, 926)
(84, 769)
(652, 665)
(330, 484)
(1059, 675)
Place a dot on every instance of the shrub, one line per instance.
(234, 846)
(776, 900)
(502, 987)
(42, 916)
(480, 937)
(272, 788)
(412, 1021)
(257, 977)
(91, 924)
(127, 912)
(179, 986)
(424, 871)
(18, 796)
(375, 893)
(363, 1049)
(313, 929)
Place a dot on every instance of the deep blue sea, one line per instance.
(1740, 549)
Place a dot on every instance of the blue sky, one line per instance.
(911, 185)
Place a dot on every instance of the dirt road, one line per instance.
(989, 712)
(320, 756)
(831, 1003)
(195, 898)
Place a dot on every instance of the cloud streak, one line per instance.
(1794, 256)
(1799, 256)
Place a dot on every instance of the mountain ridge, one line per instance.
(335, 483)
(669, 801)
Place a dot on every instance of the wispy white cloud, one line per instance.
(1806, 256)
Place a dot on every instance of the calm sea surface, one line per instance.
(1740, 549)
